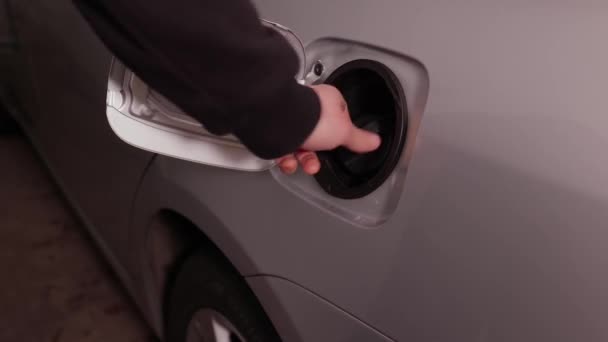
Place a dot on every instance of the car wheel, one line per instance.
(210, 302)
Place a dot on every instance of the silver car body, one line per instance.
(498, 230)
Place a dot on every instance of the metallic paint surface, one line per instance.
(499, 233)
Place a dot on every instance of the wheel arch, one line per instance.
(168, 222)
(170, 237)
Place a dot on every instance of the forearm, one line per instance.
(216, 62)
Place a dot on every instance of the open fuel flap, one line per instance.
(142, 117)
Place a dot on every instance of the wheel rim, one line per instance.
(208, 325)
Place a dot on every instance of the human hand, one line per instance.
(333, 130)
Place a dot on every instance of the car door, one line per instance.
(69, 68)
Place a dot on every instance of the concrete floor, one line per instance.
(54, 285)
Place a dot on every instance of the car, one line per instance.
(482, 217)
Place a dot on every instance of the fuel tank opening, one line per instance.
(376, 102)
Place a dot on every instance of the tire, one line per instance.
(206, 285)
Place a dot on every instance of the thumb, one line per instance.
(362, 141)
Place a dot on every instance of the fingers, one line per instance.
(309, 161)
(288, 164)
(362, 141)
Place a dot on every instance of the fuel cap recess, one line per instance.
(376, 102)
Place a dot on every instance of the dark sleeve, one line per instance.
(216, 61)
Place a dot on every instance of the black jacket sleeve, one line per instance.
(217, 62)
